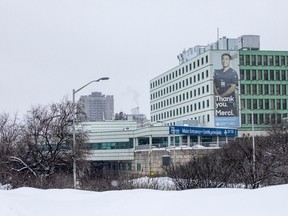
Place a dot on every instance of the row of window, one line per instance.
(264, 89)
(264, 60)
(264, 119)
(181, 84)
(109, 145)
(115, 165)
(181, 110)
(179, 98)
(179, 72)
(264, 104)
(277, 75)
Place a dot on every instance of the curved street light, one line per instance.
(74, 136)
(253, 142)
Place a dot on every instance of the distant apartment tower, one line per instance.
(97, 106)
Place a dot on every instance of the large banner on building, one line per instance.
(226, 88)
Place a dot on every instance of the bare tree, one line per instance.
(10, 132)
(45, 147)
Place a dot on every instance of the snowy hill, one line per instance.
(217, 202)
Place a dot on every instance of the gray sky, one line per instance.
(49, 47)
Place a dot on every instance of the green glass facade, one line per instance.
(263, 87)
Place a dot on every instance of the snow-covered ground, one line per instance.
(267, 201)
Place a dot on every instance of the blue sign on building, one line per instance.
(202, 131)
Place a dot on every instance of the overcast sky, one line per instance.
(49, 47)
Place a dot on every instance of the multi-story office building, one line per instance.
(198, 87)
(263, 78)
(97, 107)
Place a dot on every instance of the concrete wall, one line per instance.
(151, 163)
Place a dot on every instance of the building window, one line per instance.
(260, 75)
(261, 118)
(277, 89)
(283, 73)
(272, 104)
(248, 104)
(271, 60)
(247, 58)
(265, 60)
(242, 89)
(253, 60)
(254, 89)
(259, 59)
(284, 90)
(242, 74)
(255, 104)
(266, 104)
(271, 74)
(254, 74)
(248, 75)
(266, 89)
(260, 89)
(260, 103)
(284, 104)
(278, 104)
(248, 90)
(266, 75)
(282, 61)
(138, 166)
(243, 120)
(271, 89)
(277, 61)
(277, 72)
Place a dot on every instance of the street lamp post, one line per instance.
(253, 143)
(73, 128)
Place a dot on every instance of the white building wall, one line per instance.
(197, 77)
